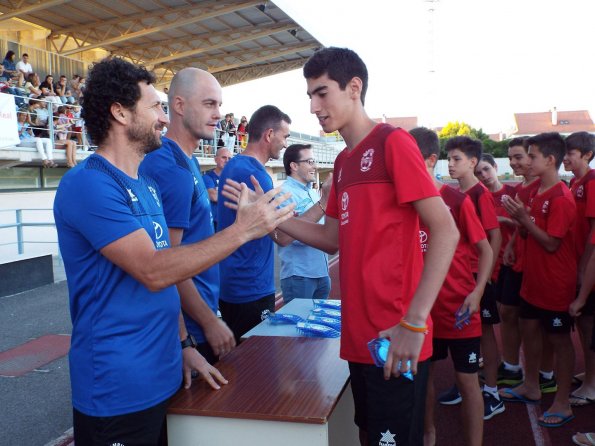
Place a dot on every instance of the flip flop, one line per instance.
(563, 419)
(510, 396)
(580, 400)
(576, 380)
(589, 436)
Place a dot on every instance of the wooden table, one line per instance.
(282, 391)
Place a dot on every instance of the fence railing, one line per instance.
(21, 220)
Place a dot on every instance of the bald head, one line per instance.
(194, 101)
(186, 81)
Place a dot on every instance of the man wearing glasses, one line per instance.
(304, 270)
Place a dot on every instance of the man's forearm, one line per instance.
(193, 303)
(312, 234)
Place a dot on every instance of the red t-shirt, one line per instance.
(459, 281)
(549, 279)
(523, 193)
(505, 230)
(374, 187)
(486, 210)
(583, 191)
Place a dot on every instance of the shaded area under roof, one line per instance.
(236, 40)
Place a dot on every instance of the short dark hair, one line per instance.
(488, 158)
(550, 143)
(427, 141)
(519, 141)
(110, 80)
(472, 148)
(25, 54)
(583, 141)
(292, 154)
(266, 117)
(340, 65)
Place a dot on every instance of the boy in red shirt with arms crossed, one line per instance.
(549, 278)
(459, 296)
(580, 148)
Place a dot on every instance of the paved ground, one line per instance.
(35, 408)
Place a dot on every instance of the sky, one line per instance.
(477, 61)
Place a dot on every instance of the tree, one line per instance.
(498, 149)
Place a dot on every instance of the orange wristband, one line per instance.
(415, 328)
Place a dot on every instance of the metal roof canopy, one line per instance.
(236, 40)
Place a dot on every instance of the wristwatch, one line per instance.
(188, 342)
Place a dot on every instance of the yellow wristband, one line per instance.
(415, 328)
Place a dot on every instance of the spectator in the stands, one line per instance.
(32, 86)
(23, 68)
(10, 69)
(64, 91)
(61, 127)
(242, 133)
(39, 118)
(7, 85)
(75, 86)
(228, 129)
(43, 145)
(82, 85)
(48, 91)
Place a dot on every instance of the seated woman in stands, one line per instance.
(48, 90)
(61, 128)
(43, 145)
(32, 86)
(10, 67)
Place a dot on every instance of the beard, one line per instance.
(144, 138)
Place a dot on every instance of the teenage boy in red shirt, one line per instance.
(549, 278)
(580, 148)
(463, 154)
(460, 293)
(380, 192)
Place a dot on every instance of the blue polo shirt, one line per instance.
(125, 353)
(185, 206)
(211, 180)
(248, 273)
(298, 259)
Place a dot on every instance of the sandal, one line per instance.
(587, 440)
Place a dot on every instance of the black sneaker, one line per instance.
(509, 377)
(548, 385)
(491, 405)
(450, 397)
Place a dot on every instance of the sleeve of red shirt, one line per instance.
(590, 191)
(407, 169)
(487, 209)
(469, 223)
(331, 206)
(562, 215)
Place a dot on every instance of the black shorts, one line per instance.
(241, 318)
(510, 286)
(464, 352)
(488, 307)
(554, 322)
(144, 428)
(389, 409)
(589, 308)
